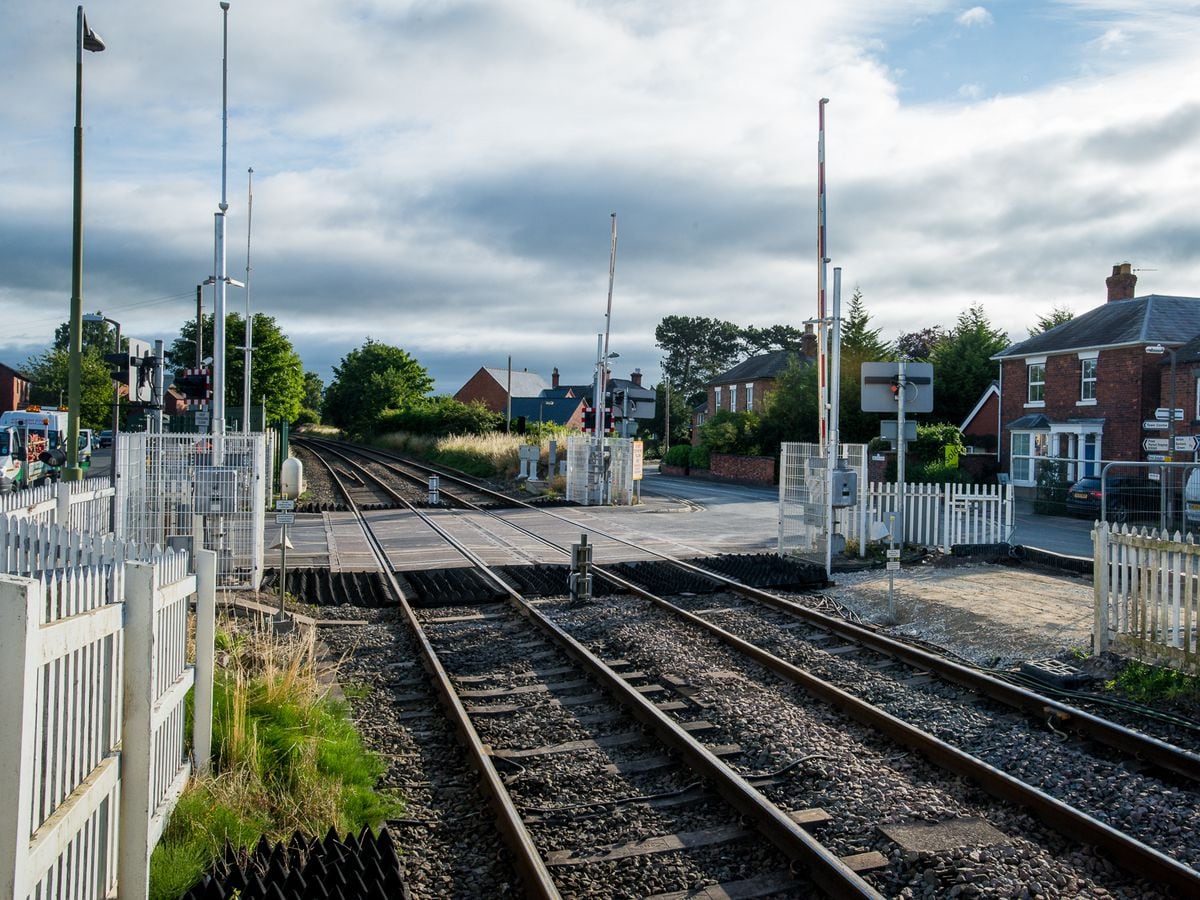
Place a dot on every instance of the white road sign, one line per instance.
(1158, 445)
(1163, 413)
(284, 505)
(893, 565)
(1155, 424)
(1185, 442)
(285, 518)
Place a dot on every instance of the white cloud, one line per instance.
(975, 17)
(440, 176)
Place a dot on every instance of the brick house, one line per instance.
(490, 387)
(1080, 392)
(745, 387)
(981, 428)
(14, 389)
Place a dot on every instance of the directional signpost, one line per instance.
(1156, 445)
(1185, 442)
(281, 622)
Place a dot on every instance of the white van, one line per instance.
(1191, 501)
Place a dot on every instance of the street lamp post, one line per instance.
(116, 411)
(85, 39)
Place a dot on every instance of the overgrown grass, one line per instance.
(1146, 684)
(285, 759)
(482, 455)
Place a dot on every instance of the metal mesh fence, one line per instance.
(578, 456)
(620, 470)
(803, 477)
(164, 480)
(584, 476)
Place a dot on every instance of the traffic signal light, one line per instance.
(194, 384)
(895, 389)
(589, 420)
(121, 363)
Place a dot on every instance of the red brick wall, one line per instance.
(750, 469)
(14, 391)
(985, 421)
(483, 387)
(1127, 385)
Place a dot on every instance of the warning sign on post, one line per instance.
(637, 460)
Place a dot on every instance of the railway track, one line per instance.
(752, 619)
(569, 676)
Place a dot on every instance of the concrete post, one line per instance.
(62, 511)
(137, 733)
(206, 614)
(20, 601)
(1100, 583)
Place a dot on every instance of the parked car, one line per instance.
(1129, 499)
(105, 438)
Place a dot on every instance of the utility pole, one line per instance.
(667, 414)
(822, 262)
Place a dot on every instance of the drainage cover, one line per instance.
(941, 836)
(1054, 672)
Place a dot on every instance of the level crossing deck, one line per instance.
(336, 540)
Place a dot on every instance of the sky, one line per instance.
(440, 175)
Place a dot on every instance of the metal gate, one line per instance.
(803, 479)
(165, 480)
(587, 474)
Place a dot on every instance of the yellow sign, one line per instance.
(637, 460)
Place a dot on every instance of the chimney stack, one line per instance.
(636, 377)
(808, 343)
(1121, 283)
(554, 378)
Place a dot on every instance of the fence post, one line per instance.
(20, 658)
(206, 611)
(948, 515)
(62, 512)
(137, 737)
(1100, 582)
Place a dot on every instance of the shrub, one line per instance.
(698, 457)
(679, 455)
(442, 416)
(307, 416)
(731, 432)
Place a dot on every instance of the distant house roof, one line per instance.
(635, 390)
(561, 391)
(700, 407)
(524, 384)
(765, 365)
(991, 390)
(16, 372)
(558, 411)
(1151, 319)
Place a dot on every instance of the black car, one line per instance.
(1129, 499)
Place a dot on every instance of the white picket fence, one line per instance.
(1147, 594)
(92, 749)
(942, 515)
(83, 505)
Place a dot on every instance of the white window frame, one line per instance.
(716, 399)
(750, 397)
(1086, 361)
(733, 398)
(1030, 365)
(1036, 445)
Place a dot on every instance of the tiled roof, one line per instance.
(1147, 319)
(765, 365)
(557, 411)
(524, 384)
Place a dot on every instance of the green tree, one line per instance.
(773, 337)
(49, 374)
(97, 336)
(314, 389)
(681, 415)
(791, 408)
(1057, 316)
(441, 416)
(697, 349)
(369, 380)
(962, 364)
(276, 372)
(860, 342)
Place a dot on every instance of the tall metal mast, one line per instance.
(218, 411)
(822, 262)
(249, 329)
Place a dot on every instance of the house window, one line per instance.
(750, 397)
(717, 399)
(733, 398)
(1087, 379)
(1037, 382)
(1027, 447)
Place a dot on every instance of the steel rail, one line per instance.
(530, 865)
(1132, 854)
(820, 864)
(1141, 746)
